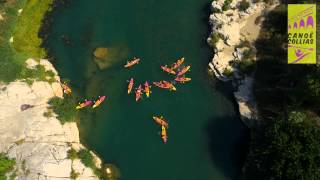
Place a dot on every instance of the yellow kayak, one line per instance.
(164, 135)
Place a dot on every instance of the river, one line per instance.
(207, 140)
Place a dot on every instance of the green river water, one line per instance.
(206, 139)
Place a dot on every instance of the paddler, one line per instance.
(147, 88)
(164, 135)
(130, 85)
(66, 88)
(138, 93)
(99, 101)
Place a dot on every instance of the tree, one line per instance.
(6, 165)
(285, 149)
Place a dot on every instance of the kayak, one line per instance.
(182, 79)
(147, 88)
(161, 85)
(130, 85)
(66, 88)
(99, 101)
(131, 63)
(160, 121)
(170, 85)
(138, 92)
(164, 135)
(165, 85)
(168, 70)
(184, 70)
(84, 104)
(177, 64)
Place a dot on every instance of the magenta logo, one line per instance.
(309, 23)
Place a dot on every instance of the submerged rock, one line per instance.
(100, 52)
(105, 57)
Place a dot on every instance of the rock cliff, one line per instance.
(38, 143)
(234, 31)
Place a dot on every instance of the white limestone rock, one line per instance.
(236, 25)
(39, 144)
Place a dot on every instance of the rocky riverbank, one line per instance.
(235, 28)
(39, 144)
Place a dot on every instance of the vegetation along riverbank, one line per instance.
(37, 139)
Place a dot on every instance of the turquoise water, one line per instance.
(206, 139)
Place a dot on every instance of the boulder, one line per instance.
(100, 52)
(105, 57)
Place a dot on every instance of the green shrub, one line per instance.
(227, 72)
(216, 10)
(283, 149)
(214, 38)
(244, 5)
(48, 114)
(74, 174)
(38, 73)
(248, 54)
(246, 66)
(226, 5)
(6, 165)
(64, 108)
(243, 43)
(72, 154)
(87, 159)
(11, 62)
(26, 31)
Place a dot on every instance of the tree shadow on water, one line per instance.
(228, 140)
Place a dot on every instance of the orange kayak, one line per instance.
(66, 88)
(184, 70)
(131, 63)
(99, 101)
(177, 64)
(182, 79)
(160, 85)
(168, 70)
(138, 93)
(164, 135)
(169, 85)
(160, 121)
(130, 85)
(165, 85)
(147, 88)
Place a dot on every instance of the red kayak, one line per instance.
(168, 70)
(161, 85)
(177, 64)
(130, 85)
(138, 92)
(165, 85)
(184, 70)
(170, 85)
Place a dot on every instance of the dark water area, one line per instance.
(206, 141)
